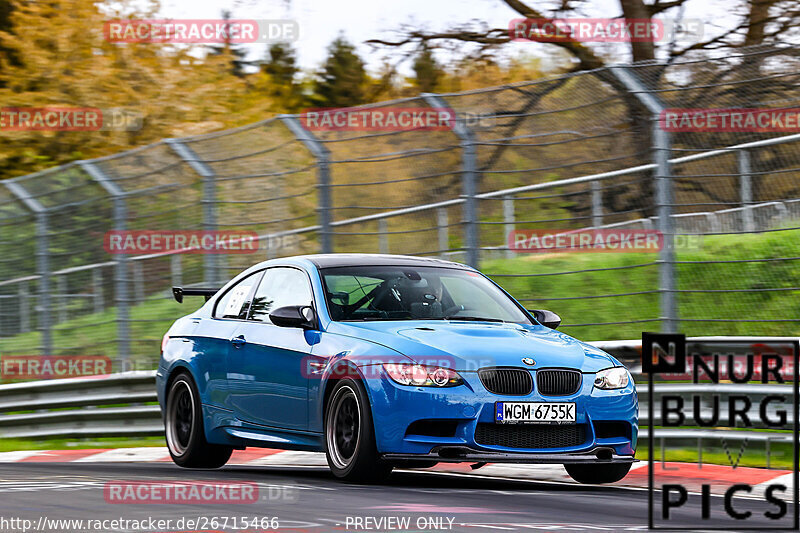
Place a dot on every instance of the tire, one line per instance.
(185, 435)
(350, 435)
(596, 474)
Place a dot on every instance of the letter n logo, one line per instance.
(663, 353)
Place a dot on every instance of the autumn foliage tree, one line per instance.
(342, 80)
(53, 53)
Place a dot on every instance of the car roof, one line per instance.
(344, 260)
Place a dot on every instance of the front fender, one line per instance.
(339, 356)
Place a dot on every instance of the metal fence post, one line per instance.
(468, 180)
(44, 316)
(61, 287)
(44, 319)
(383, 237)
(745, 190)
(442, 228)
(270, 250)
(597, 205)
(508, 226)
(121, 280)
(24, 308)
(322, 154)
(138, 282)
(211, 262)
(176, 270)
(664, 197)
(97, 289)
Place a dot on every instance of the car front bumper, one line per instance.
(395, 407)
(462, 454)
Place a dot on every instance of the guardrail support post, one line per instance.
(212, 263)
(322, 155)
(699, 452)
(121, 281)
(745, 190)
(468, 180)
(44, 319)
(664, 197)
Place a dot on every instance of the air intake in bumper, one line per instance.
(538, 436)
(433, 428)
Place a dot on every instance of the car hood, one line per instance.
(468, 346)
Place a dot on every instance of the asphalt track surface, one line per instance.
(310, 499)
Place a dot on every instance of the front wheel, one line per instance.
(350, 436)
(596, 474)
(183, 421)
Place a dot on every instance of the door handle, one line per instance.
(238, 342)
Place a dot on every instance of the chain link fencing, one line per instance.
(583, 150)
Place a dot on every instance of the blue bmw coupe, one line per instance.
(384, 361)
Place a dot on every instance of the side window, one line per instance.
(236, 302)
(347, 290)
(280, 287)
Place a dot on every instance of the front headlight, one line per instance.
(422, 376)
(612, 378)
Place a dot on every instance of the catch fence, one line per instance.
(582, 150)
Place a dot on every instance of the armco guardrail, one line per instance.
(754, 392)
(81, 407)
(629, 352)
(107, 405)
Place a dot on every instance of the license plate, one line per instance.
(534, 413)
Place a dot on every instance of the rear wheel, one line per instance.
(596, 474)
(350, 435)
(183, 421)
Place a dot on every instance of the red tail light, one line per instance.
(164, 342)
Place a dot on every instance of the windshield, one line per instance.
(366, 293)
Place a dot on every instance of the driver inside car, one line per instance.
(410, 295)
(407, 295)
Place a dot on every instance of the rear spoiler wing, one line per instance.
(180, 292)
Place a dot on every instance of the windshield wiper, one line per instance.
(372, 319)
(472, 318)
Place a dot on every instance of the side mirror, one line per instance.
(294, 316)
(546, 318)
